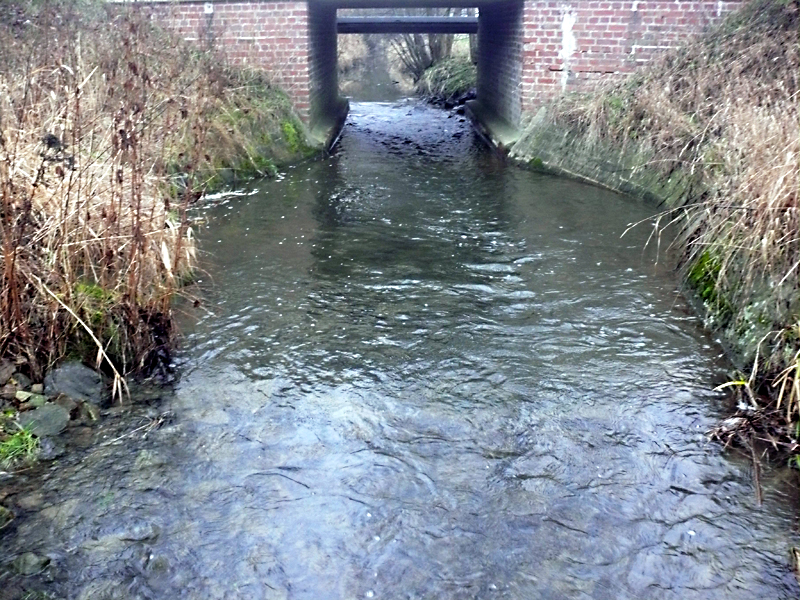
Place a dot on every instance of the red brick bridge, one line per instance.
(528, 50)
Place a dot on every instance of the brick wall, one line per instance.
(571, 44)
(269, 35)
(528, 50)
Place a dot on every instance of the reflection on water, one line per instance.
(422, 374)
(374, 73)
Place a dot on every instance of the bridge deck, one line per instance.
(407, 25)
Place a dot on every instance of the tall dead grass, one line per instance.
(725, 108)
(108, 129)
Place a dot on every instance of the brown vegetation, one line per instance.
(108, 129)
(725, 109)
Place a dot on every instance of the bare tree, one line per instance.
(418, 51)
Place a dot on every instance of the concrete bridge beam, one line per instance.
(499, 103)
(407, 25)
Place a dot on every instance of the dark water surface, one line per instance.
(421, 374)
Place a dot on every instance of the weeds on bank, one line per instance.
(82, 148)
(109, 128)
(724, 109)
(17, 447)
(448, 78)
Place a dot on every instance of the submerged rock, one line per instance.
(89, 412)
(67, 403)
(131, 533)
(50, 419)
(30, 563)
(104, 590)
(140, 532)
(6, 516)
(31, 501)
(82, 437)
(147, 459)
(51, 448)
(75, 380)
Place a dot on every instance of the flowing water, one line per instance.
(419, 373)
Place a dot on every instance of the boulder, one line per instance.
(31, 399)
(30, 563)
(7, 369)
(75, 380)
(23, 382)
(50, 419)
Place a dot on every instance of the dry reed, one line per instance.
(108, 129)
(725, 108)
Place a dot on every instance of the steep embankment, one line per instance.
(712, 131)
(108, 129)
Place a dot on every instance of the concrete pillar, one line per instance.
(499, 102)
(327, 109)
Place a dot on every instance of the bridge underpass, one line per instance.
(502, 129)
(498, 26)
(528, 50)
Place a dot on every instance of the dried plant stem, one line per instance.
(119, 384)
(109, 129)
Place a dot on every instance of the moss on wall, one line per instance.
(546, 145)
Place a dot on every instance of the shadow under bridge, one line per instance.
(498, 107)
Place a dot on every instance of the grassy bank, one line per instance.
(109, 128)
(449, 79)
(721, 116)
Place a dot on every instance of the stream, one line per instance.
(418, 373)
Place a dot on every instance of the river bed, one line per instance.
(418, 373)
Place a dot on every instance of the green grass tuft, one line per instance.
(20, 447)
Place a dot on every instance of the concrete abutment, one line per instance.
(327, 110)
